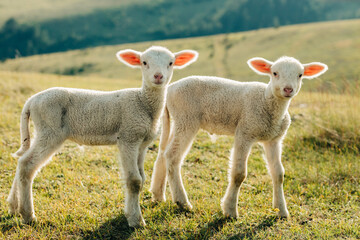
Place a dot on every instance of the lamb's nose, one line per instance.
(158, 76)
(288, 90)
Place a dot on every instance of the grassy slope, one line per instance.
(38, 10)
(79, 195)
(334, 43)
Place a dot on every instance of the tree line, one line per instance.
(164, 19)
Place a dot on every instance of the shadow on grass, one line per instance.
(7, 222)
(164, 209)
(250, 232)
(116, 228)
(211, 228)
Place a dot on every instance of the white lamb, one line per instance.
(128, 118)
(251, 111)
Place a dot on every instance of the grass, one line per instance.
(79, 194)
(226, 55)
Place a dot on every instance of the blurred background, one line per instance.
(85, 34)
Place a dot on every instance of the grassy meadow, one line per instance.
(79, 195)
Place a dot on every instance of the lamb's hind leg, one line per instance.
(175, 153)
(28, 166)
(13, 198)
(159, 176)
(276, 169)
(237, 174)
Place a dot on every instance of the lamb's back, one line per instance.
(219, 104)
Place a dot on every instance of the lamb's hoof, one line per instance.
(136, 222)
(13, 206)
(229, 212)
(283, 214)
(29, 220)
(156, 198)
(13, 211)
(184, 206)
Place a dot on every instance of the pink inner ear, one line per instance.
(183, 58)
(261, 66)
(312, 70)
(130, 58)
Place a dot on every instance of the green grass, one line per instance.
(335, 43)
(79, 195)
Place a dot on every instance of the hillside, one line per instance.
(44, 26)
(334, 43)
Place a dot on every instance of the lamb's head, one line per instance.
(286, 74)
(157, 63)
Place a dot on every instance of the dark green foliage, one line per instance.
(163, 20)
(76, 70)
(17, 40)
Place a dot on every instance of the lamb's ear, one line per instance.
(260, 65)
(185, 58)
(129, 57)
(313, 70)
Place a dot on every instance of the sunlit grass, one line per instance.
(328, 120)
(79, 194)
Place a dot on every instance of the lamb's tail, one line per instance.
(24, 130)
(165, 129)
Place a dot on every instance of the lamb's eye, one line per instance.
(275, 74)
(170, 64)
(144, 63)
(300, 75)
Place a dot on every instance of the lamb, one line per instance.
(250, 111)
(128, 118)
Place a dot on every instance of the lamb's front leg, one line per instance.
(237, 174)
(175, 153)
(129, 153)
(141, 159)
(276, 169)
